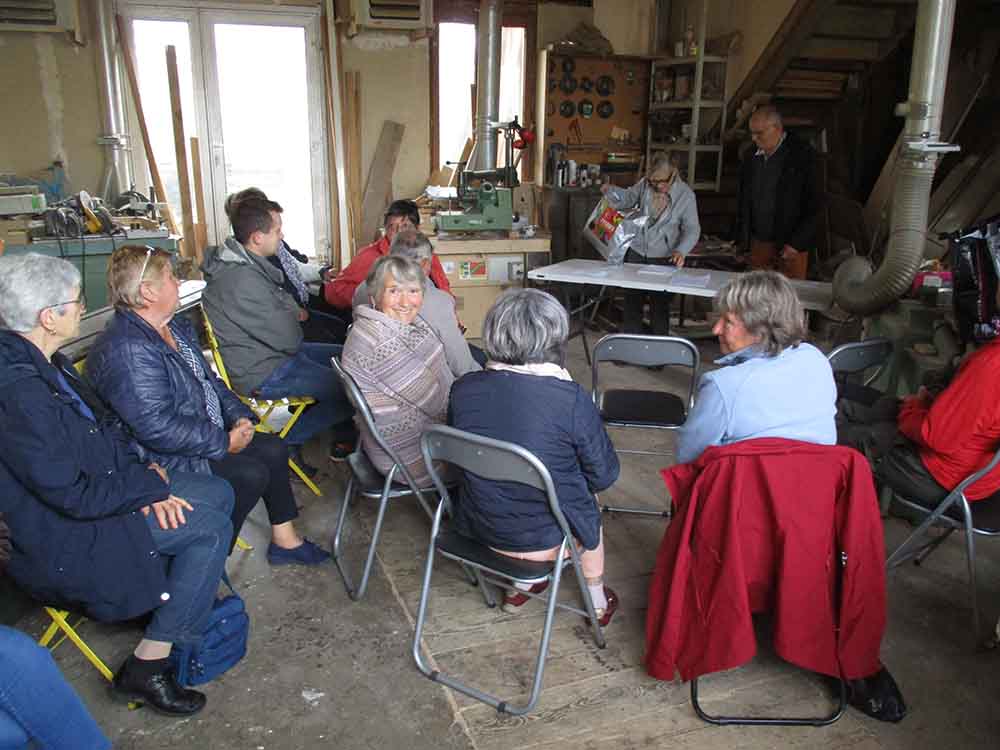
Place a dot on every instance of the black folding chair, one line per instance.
(640, 408)
(369, 482)
(864, 359)
(498, 461)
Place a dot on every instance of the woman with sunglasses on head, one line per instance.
(671, 232)
(147, 365)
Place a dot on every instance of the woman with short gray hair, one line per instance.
(526, 396)
(95, 528)
(772, 383)
(398, 363)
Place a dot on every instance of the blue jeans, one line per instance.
(309, 373)
(197, 554)
(37, 704)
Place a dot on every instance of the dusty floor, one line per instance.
(324, 671)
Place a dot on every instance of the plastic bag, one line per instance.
(612, 231)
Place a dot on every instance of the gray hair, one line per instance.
(768, 306)
(661, 161)
(413, 245)
(769, 113)
(403, 270)
(30, 283)
(526, 326)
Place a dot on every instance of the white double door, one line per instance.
(252, 93)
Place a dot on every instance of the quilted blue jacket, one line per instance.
(558, 422)
(157, 396)
(70, 491)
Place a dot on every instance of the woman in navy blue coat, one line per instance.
(526, 396)
(93, 527)
(147, 365)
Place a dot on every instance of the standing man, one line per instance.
(778, 199)
(400, 215)
(257, 324)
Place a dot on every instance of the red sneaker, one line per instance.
(604, 615)
(513, 599)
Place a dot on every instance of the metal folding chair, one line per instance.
(499, 461)
(954, 512)
(369, 482)
(638, 408)
(264, 407)
(866, 359)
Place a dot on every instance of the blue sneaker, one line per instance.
(306, 553)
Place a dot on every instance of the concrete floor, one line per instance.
(323, 671)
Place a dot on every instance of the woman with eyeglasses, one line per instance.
(671, 232)
(95, 527)
(147, 365)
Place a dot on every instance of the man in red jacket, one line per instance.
(401, 214)
(949, 436)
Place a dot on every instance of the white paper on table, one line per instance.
(597, 273)
(687, 278)
(658, 270)
(440, 192)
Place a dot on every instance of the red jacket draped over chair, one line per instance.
(769, 525)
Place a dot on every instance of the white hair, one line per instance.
(770, 309)
(403, 270)
(30, 283)
(413, 245)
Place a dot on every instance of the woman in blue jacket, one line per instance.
(147, 365)
(526, 396)
(93, 527)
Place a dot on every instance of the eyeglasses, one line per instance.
(660, 183)
(81, 300)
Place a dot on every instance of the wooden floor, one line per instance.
(602, 698)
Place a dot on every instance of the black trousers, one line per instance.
(659, 315)
(903, 471)
(259, 471)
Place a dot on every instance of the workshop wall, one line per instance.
(51, 105)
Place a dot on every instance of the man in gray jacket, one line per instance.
(257, 324)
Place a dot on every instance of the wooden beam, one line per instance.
(133, 84)
(331, 89)
(180, 149)
(201, 228)
(379, 184)
(334, 67)
(822, 48)
(852, 22)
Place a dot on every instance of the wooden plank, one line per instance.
(823, 48)
(201, 228)
(846, 22)
(352, 128)
(334, 68)
(180, 149)
(133, 84)
(330, 86)
(380, 178)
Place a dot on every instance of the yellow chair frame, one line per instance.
(60, 621)
(263, 407)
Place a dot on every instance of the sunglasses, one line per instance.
(149, 254)
(81, 300)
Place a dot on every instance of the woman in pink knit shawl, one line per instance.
(399, 364)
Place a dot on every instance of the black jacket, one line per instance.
(798, 203)
(71, 492)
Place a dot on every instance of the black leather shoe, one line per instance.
(878, 696)
(159, 690)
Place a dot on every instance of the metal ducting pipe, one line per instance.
(484, 155)
(855, 288)
(116, 176)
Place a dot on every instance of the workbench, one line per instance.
(480, 270)
(90, 254)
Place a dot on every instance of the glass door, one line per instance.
(252, 91)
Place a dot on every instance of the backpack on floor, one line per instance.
(224, 643)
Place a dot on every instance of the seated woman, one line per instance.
(93, 527)
(398, 363)
(525, 396)
(147, 366)
(771, 383)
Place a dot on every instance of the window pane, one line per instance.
(265, 120)
(151, 41)
(511, 83)
(456, 74)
